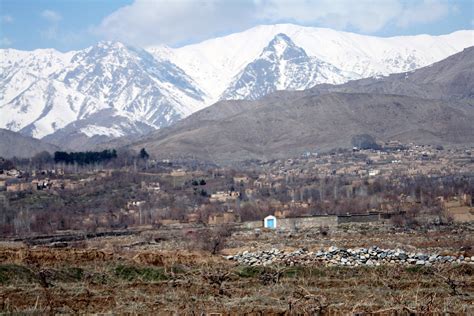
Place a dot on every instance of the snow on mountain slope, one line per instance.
(214, 63)
(282, 66)
(44, 107)
(106, 75)
(100, 126)
(134, 82)
(20, 69)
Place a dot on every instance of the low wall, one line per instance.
(306, 222)
(296, 222)
(358, 218)
(316, 221)
(252, 224)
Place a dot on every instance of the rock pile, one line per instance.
(373, 256)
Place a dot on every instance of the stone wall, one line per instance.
(296, 222)
(358, 218)
(306, 222)
(316, 221)
(253, 224)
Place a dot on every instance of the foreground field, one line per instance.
(142, 274)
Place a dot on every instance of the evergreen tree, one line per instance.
(144, 154)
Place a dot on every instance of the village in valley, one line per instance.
(100, 224)
(394, 183)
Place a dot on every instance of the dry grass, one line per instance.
(148, 278)
(121, 286)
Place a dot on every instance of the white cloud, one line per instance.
(146, 22)
(6, 19)
(424, 12)
(51, 16)
(5, 42)
(364, 15)
(51, 31)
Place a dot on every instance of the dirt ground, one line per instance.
(161, 272)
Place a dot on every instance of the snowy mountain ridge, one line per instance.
(214, 63)
(112, 90)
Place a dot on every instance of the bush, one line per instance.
(212, 240)
(10, 273)
(131, 273)
(250, 272)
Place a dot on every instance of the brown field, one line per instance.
(164, 272)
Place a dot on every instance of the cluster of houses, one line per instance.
(295, 176)
(18, 181)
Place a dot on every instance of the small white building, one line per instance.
(270, 222)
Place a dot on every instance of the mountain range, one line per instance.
(79, 99)
(431, 105)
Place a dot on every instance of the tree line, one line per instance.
(84, 158)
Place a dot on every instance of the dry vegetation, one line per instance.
(156, 272)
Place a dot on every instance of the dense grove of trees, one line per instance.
(6, 164)
(81, 161)
(84, 158)
(143, 154)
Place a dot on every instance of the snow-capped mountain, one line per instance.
(214, 63)
(109, 75)
(283, 66)
(44, 92)
(20, 69)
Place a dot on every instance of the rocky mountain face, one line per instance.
(289, 123)
(282, 66)
(131, 83)
(112, 90)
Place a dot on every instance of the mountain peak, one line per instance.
(282, 66)
(110, 44)
(282, 47)
(112, 53)
(282, 37)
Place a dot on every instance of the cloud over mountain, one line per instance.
(176, 22)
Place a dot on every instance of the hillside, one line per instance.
(16, 145)
(314, 123)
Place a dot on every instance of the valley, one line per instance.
(57, 97)
(236, 157)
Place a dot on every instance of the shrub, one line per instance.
(10, 273)
(212, 240)
(131, 273)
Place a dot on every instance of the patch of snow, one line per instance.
(95, 130)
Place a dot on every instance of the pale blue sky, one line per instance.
(75, 24)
